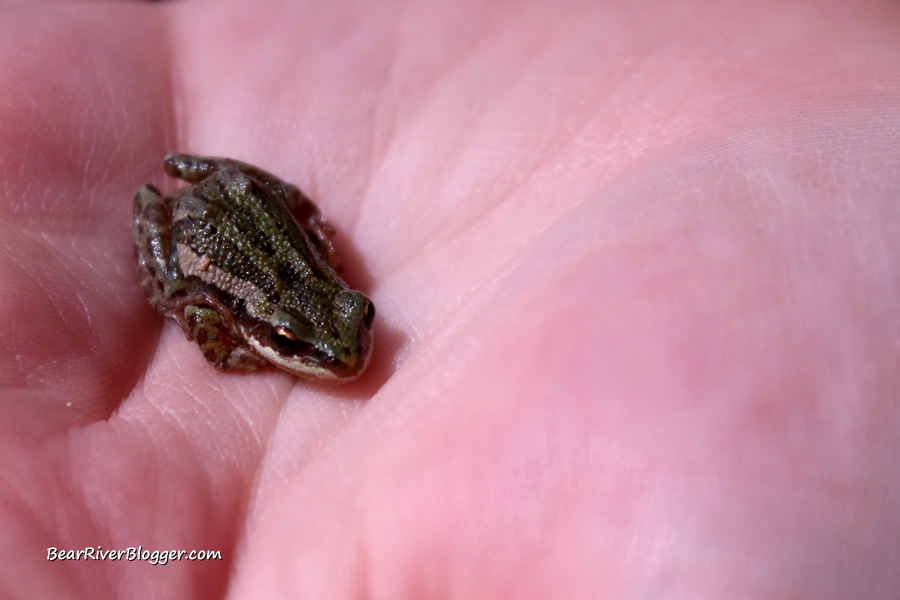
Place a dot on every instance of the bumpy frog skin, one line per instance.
(226, 259)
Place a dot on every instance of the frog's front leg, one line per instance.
(208, 322)
(193, 169)
(152, 244)
(211, 330)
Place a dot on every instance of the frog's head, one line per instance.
(336, 351)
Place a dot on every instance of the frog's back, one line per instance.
(248, 232)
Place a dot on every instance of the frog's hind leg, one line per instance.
(317, 228)
(152, 240)
(192, 168)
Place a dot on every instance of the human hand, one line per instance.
(635, 268)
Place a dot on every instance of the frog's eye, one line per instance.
(368, 313)
(286, 341)
(283, 332)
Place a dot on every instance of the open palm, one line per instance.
(636, 266)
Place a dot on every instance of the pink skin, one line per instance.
(637, 271)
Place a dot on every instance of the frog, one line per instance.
(245, 264)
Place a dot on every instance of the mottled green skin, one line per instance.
(227, 260)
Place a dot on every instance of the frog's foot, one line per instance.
(193, 168)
